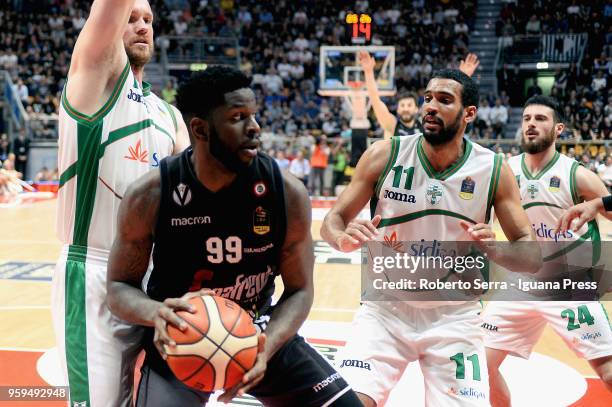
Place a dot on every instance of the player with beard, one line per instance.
(112, 130)
(452, 185)
(248, 224)
(406, 122)
(549, 183)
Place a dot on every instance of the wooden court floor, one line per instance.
(27, 236)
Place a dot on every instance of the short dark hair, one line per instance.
(558, 114)
(408, 95)
(469, 93)
(205, 90)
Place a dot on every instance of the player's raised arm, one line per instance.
(469, 64)
(99, 55)
(516, 226)
(385, 118)
(340, 228)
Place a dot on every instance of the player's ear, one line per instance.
(559, 127)
(199, 128)
(470, 114)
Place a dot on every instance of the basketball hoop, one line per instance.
(355, 85)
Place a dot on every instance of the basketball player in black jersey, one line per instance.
(222, 217)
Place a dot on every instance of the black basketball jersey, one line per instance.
(402, 130)
(229, 241)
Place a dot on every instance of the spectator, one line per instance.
(281, 160)
(533, 26)
(300, 167)
(5, 147)
(605, 172)
(340, 158)
(534, 89)
(169, 92)
(599, 82)
(21, 148)
(22, 91)
(483, 116)
(318, 163)
(499, 118)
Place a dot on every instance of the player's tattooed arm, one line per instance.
(131, 250)
(129, 261)
(296, 268)
(340, 228)
(520, 257)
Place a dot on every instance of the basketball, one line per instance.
(218, 347)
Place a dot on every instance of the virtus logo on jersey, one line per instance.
(181, 195)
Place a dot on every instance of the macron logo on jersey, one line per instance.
(194, 220)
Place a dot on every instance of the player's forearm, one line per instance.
(131, 304)
(332, 229)
(522, 255)
(289, 314)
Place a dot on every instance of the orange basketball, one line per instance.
(218, 347)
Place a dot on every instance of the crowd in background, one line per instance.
(278, 47)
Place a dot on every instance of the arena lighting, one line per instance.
(542, 65)
(198, 67)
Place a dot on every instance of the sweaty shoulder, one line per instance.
(295, 192)
(143, 197)
(373, 161)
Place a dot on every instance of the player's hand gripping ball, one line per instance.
(218, 347)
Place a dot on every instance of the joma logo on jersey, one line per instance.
(490, 327)
(194, 220)
(399, 196)
(136, 97)
(360, 364)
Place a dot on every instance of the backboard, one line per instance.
(339, 65)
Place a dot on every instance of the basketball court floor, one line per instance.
(28, 249)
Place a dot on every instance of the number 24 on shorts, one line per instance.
(584, 316)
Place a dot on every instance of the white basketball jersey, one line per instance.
(417, 203)
(100, 155)
(546, 195)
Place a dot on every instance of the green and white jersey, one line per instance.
(545, 196)
(417, 203)
(100, 155)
